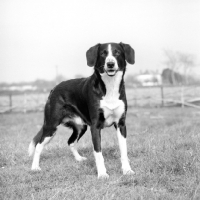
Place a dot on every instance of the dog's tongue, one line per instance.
(111, 72)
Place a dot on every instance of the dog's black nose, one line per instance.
(110, 64)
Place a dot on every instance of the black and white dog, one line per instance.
(98, 101)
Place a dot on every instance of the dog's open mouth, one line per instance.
(111, 72)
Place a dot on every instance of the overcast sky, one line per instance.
(38, 35)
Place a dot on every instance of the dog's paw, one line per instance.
(81, 158)
(103, 176)
(34, 168)
(128, 172)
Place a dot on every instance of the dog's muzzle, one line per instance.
(110, 68)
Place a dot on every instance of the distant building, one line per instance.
(20, 88)
(149, 79)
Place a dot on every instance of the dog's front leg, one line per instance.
(121, 135)
(96, 139)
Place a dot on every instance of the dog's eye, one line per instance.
(116, 53)
(104, 53)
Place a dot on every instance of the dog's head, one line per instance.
(110, 57)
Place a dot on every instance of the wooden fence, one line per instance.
(165, 96)
(22, 102)
(137, 97)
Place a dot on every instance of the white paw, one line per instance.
(34, 168)
(128, 171)
(81, 158)
(103, 176)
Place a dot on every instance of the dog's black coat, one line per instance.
(81, 97)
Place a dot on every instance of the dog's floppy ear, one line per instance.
(129, 53)
(91, 55)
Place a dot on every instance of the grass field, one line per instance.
(163, 148)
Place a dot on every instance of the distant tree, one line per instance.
(177, 60)
(167, 77)
(187, 61)
(172, 62)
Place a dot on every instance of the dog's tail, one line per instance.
(34, 142)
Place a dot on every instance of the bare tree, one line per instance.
(177, 60)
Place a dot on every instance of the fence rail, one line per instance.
(164, 96)
(141, 96)
(22, 102)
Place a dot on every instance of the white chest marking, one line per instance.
(112, 106)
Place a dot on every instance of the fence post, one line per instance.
(10, 101)
(162, 96)
(135, 95)
(182, 97)
(25, 102)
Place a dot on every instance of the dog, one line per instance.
(98, 101)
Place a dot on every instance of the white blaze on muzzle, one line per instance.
(111, 65)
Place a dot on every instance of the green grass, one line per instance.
(163, 148)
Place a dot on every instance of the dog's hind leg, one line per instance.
(40, 140)
(52, 118)
(78, 132)
(32, 145)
